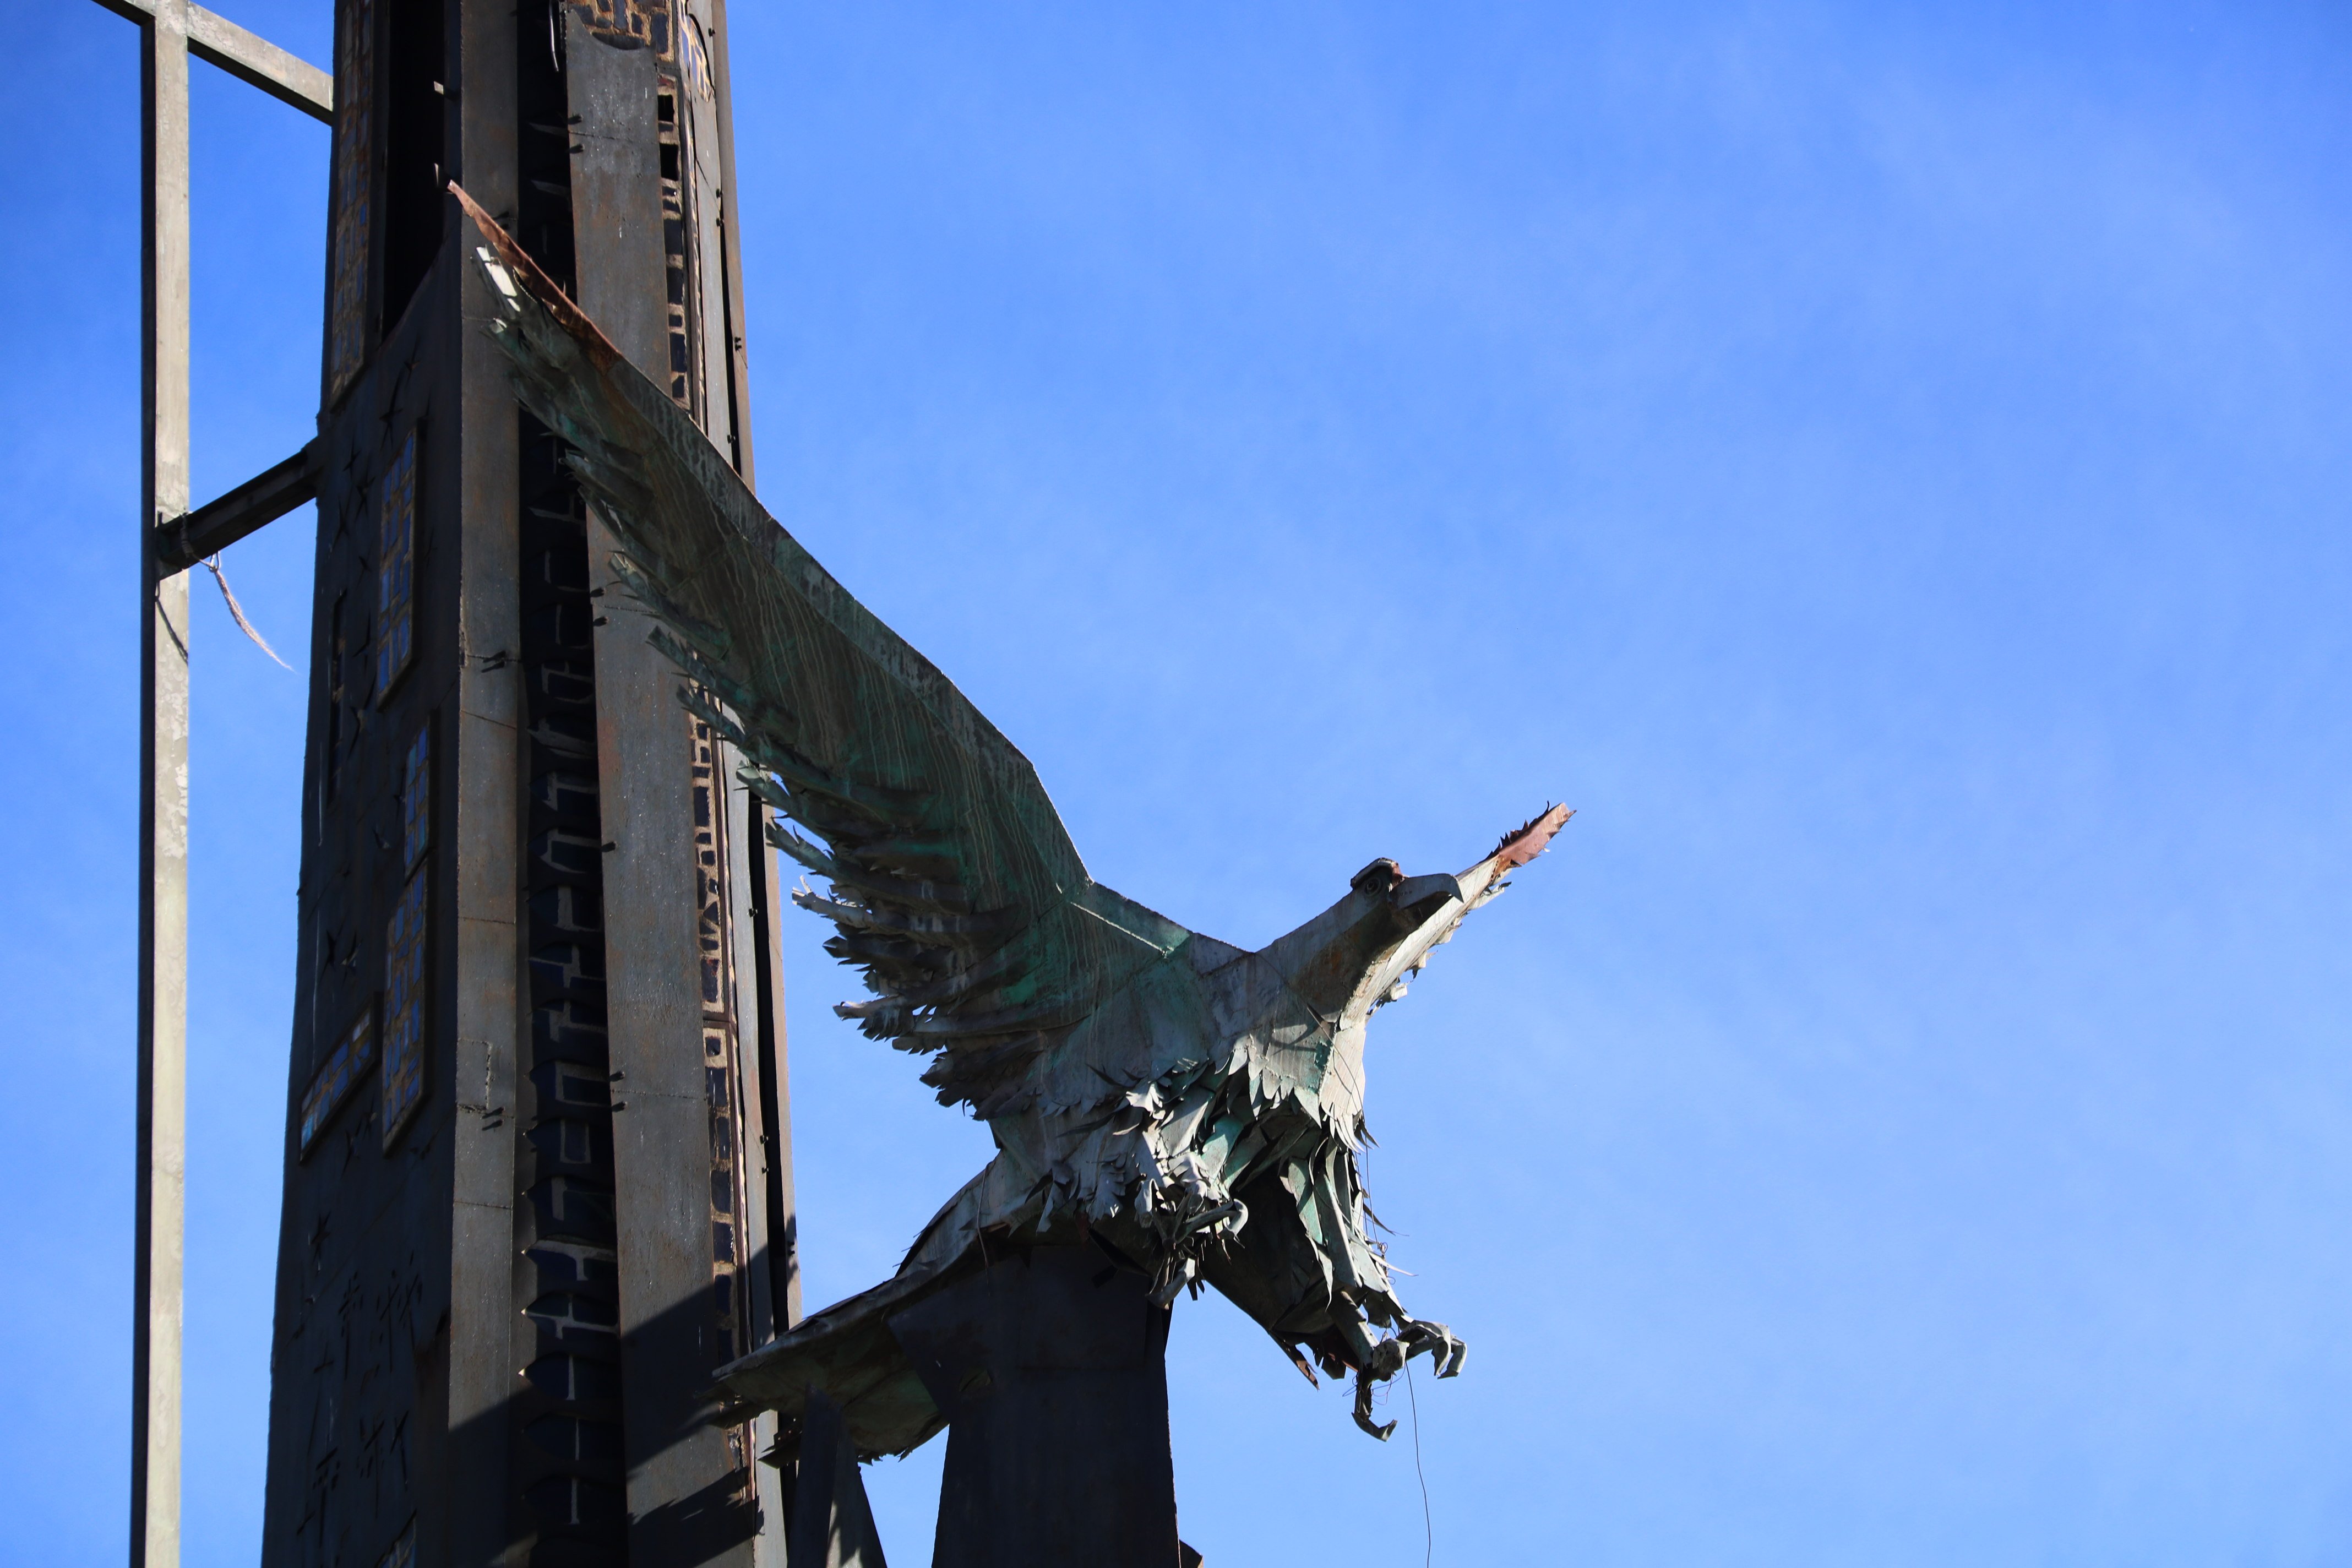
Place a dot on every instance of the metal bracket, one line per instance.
(212, 527)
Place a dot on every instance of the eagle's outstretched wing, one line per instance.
(953, 884)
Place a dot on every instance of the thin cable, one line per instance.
(1428, 1532)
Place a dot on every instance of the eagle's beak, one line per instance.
(1353, 956)
(1516, 849)
(1430, 907)
(1417, 898)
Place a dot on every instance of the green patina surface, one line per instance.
(1197, 1107)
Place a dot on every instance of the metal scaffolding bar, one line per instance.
(169, 30)
(226, 518)
(216, 40)
(163, 795)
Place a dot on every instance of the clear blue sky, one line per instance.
(1886, 465)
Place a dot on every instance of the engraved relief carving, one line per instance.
(570, 1467)
(721, 1071)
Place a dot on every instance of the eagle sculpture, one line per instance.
(1196, 1108)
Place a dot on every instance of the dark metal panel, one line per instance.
(492, 1005)
(738, 375)
(1050, 1365)
(568, 1471)
(765, 1012)
(367, 1314)
(352, 188)
(616, 192)
(724, 398)
(706, 274)
(690, 1490)
(745, 851)
(769, 1277)
(833, 1526)
(698, 294)
(427, 1395)
(444, 1139)
(567, 1490)
(323, 902)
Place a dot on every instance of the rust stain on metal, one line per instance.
(539, 286)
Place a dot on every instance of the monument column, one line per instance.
(537, 1181)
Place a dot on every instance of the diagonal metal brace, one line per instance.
(221, 522)
(248, 57)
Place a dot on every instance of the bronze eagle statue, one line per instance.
(1195, 1107)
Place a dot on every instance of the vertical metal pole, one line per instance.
(163, 799)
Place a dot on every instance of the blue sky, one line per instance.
(1886, 465)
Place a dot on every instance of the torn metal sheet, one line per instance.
(1196, 1106)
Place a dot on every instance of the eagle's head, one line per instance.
(1299, 1260)
(1359, 954)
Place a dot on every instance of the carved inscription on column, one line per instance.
(568, 1471)
(685, 305)
(722, 1074)
(570, 1467)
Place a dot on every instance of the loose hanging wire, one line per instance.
(1428, 1532)
(211, 564)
